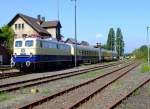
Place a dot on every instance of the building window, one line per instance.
(22, 26)
(19, 26)
(15, 26)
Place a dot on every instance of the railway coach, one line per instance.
(85, 54)
(35, 53)
(108, 55)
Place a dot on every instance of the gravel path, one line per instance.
(24, 96)
(114, 92)
(8, 71)
(139, 99)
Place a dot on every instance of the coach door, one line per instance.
(1, 59)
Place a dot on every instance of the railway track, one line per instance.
(8, 75)
(36, 81)
(73, 97)
(115, 104)
(7, 72)
(4, 75)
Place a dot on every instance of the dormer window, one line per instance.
(16, 26)
(19, 26)
(22, 26)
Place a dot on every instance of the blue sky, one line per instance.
(94, 17)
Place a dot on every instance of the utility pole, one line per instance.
(148, 46)
(58, 10)
(75, 31)
(100, 50)
(111, 44)
(119, 48)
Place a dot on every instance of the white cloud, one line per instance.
(98, 35)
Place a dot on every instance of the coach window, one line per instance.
(82, 53)
(78, 52)
(29, 43)
(18, 44)
(41, 44)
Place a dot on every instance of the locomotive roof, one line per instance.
(105, 50)
(85, 47)
(46, 39)
(54, 40)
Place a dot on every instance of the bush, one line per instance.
(141, 53)
(145, 68)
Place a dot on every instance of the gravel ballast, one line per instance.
(67, 99)
(140, 99)
(44, 74)
(24, 96)
(105, 98)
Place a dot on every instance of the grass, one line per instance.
(24, 90)
(88, 64)
(90, 74)
(4, 96)
(118, 83)
(145, 68)
(137, 92)
(46, 91)
(148, 90)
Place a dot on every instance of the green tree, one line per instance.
(104, 46)
(2, 38)
(119, 42)
(6, 37)
(111, 40)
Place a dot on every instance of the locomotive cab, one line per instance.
(24, 48)
(38, 54)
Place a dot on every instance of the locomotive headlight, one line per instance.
(28, 63)
(31, 55)
(22, 50)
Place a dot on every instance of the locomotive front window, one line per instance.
(29, 43)
(18, 44)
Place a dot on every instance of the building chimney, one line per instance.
(43, 19)
(39, 18)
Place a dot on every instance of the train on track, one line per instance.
(38, 53)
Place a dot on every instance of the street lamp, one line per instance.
(75, 31)
(148, 45)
